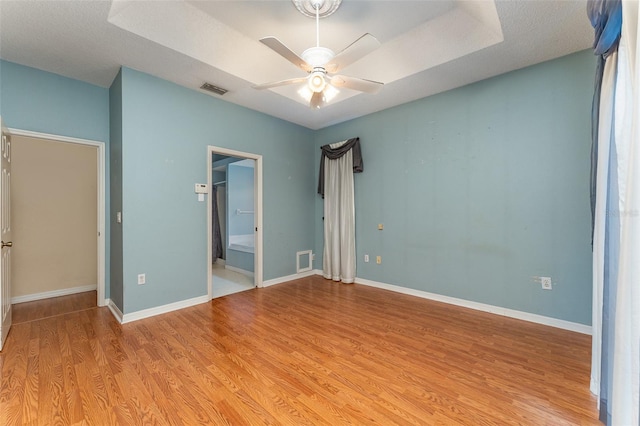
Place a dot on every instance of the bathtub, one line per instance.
(245, 243)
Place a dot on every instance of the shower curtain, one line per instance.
(217, 237)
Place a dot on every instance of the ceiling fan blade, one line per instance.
(278, 47)
(355, 51)
(354, 83)
(280, 83)
(317, 100)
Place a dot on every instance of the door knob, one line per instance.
(8, 244)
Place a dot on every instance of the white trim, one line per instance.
(240, 271)
(52, 293)
(306, 268)
(258, 255)
(158, 310)
(101, 196)
(117, 313)
(258, 249)
(291, 277)
(511, 313)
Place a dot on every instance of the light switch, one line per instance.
(380, 226)
(118, 217)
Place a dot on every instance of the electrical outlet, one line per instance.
(366, 258)
(546, 283)
(378, 260)
(142, 279)
(380, 226)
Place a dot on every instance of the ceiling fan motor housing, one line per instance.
(317, 56)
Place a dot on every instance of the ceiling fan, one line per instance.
(322, 63)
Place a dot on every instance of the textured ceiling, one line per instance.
(426, 46)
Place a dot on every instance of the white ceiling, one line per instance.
(427, 47)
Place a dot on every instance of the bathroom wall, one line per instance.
(240, 196)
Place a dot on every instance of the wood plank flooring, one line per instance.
(307, 352)
(40, 309)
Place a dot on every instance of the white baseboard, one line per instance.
(115, 310)
(158, 310)
(242, 271)
(53, 293)
(511, 313)
(291, 277)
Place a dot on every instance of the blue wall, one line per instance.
(43, 102)
(240, 259)
(165, 133)
(239, 196)
(480, 189)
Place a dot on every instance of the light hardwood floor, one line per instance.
(309, 351)
(40, 309)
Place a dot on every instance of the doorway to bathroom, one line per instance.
(234, 221)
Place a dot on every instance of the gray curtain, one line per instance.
(217, 237)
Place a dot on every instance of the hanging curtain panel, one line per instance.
(615, 375)
(339, 161)
(602, 228)
(625, 392)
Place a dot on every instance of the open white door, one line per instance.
(5, 235)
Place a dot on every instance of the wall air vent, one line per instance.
(213, 88)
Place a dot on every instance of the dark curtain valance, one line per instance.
(335, 153)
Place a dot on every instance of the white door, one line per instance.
(5, 235)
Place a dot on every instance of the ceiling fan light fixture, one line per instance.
(330, 92)
(317, 81)
(305, 93)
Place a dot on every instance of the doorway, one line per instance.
(59, 206)
(234, 221)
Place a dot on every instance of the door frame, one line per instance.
(257, 218)
(102, 301)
